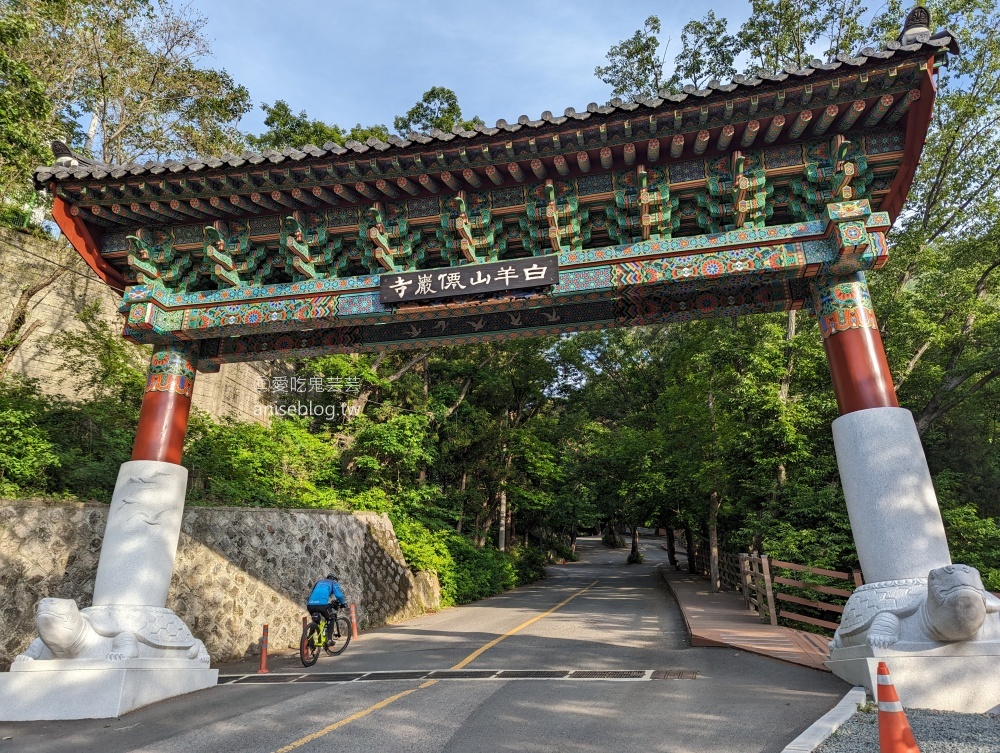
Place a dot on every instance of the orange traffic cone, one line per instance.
(894, 733)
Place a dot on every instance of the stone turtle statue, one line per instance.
(113, 633)
(949, 605)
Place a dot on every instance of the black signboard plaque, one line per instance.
(469, 279)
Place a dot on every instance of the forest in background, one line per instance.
(720, 426)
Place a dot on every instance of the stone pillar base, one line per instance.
(890, 498)
(58, 689)
(958, 677)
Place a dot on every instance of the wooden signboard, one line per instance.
(469, 279)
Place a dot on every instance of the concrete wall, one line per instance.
(236, 569)
(25, 258)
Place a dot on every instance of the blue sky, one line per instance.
(366, 62)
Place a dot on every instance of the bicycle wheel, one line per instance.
(308, 650)
(341, 636)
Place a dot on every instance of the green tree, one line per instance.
(780, 33)
(635, 65)
(437, 109)
(708, 52)
(284, 128)
(23, 116)
(134, 71)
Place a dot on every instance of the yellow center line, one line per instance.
(352, 718)
(475, 654)
(393, 698)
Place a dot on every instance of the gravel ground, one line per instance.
(935, 732)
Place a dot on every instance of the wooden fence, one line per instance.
(729, 565)
(762, 577)
(758, 591)
(778, 589)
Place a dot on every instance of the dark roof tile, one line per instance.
(87, 167)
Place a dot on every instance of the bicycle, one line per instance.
(331, 636)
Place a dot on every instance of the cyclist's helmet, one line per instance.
(332, 576)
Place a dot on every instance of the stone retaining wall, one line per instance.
(236, 569)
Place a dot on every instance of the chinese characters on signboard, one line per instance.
(469, 279)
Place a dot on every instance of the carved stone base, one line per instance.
(127, 650)
(95, 689)
(959, 677)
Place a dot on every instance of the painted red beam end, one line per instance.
(79, 235)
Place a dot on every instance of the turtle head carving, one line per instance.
(61, 626)
(957, 603)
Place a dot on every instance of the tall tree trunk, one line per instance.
(461, 513)
(502, 521)
(88, 142)
(689, 543)
(510, 522)
(713, 540)
(672, 548)
(634, 556)
(714, 502)
(784, 390)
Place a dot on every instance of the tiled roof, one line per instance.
(923, 43)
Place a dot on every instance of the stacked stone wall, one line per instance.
(236, 569)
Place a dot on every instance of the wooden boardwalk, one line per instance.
(722, 619)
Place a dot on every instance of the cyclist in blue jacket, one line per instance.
(326, 596)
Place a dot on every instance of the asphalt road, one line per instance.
(612, 618)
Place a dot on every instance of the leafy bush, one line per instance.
(975, 541)
(26, 454)
(466, 573)
(558, 550)
(281, 465)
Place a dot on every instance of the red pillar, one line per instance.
(853, 344)
(166, 404)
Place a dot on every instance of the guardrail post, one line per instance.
(354, 622)
(263, 654)
(745, 579)
(765, 567)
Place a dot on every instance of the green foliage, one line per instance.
(389, 452)
(635, 65)
(26, 454)
(437, 109)
(466, 573)
(708, 52)
(284, 129)
(100, 361)
(281, 465)
(23, 111)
